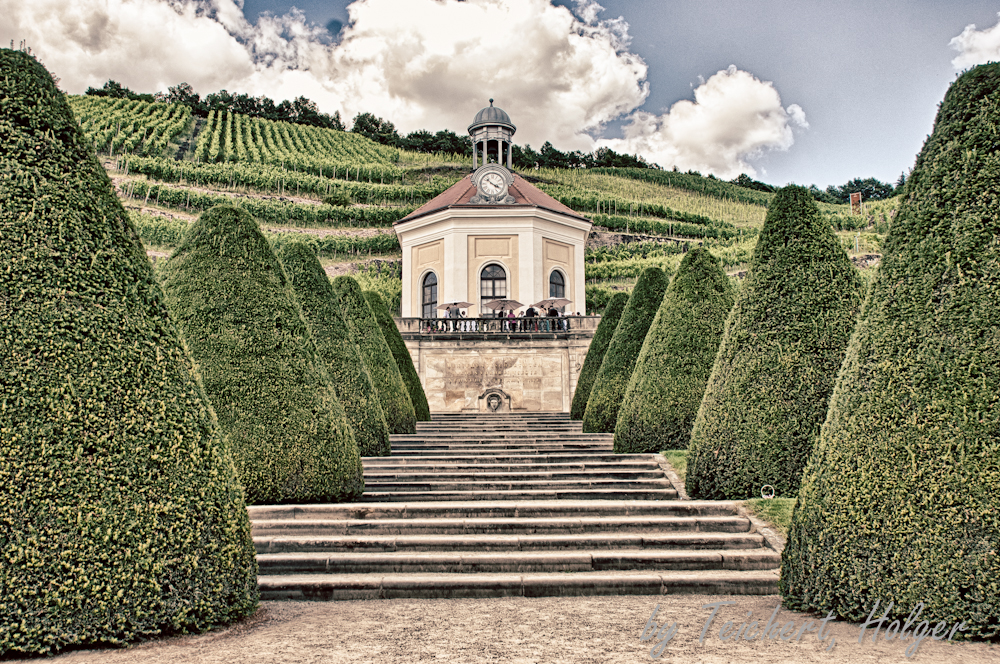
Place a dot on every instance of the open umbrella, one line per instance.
(453, 305)
(552, 302)
(502, 304)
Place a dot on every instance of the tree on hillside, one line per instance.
(344, 363)
(784, 341)
(376, 129)
(399, 412)
(748, 182)
(121, 516)
(623, 351)
(402, 356)
(899, 500)
(869, 188)
(669, 380)
(277, 408)
(115, 90)
(595, 354)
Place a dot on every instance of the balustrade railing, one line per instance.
(493, 325)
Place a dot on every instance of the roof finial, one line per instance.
(491, 101)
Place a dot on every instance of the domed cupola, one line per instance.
(490, 130)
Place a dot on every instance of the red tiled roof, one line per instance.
(458, 195)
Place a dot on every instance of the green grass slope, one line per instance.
(344, 364)
(595, 354)
(899, 500)
(399, 412)
(669, 380)
(402, 356)
(240, 318)
(623, 351)
(121, 516)
(783, 344)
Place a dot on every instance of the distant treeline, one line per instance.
(305, 111)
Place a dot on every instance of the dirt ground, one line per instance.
(522, 631)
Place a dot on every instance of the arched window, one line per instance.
(492, 283)
(557, 284)
(429, 297)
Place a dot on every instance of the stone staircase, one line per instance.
(510, 505)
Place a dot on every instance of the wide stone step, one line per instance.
(390, 586)
(482, 543)
(507, 448)
(499, 526)
(599, 482)
(521, 457)
(418, 465)
(404, 474)
(524, 494)
(497, 509)
(467, 562)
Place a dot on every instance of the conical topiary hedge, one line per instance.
(595, 354)
(619, 360)
(396, 404)
(783, 343)
(669, 380)
(344, 364)
(404, 362)
(120, 513)
(277, 408)
(900, 501)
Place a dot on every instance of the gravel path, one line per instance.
(519, 631)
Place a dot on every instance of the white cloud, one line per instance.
(420, 63)
(734, 118)
(976, 47)
(423, 64)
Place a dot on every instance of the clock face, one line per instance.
(492, 183)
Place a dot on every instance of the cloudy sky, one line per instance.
(805, 91)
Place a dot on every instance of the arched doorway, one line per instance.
(429, 296)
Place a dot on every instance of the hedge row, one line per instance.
(714, 229)
(623, 351)
(121, 516)
(396, 404)
(402, 356)
(163, 231)
(899, 500)
(267, 210)
(669, 380)
(344, 363)
(239, 316)
(595, 353)
(783, 344)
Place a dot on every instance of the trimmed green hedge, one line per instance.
(669, 380)
(623, 351)
(120, 513)
(344, 364)
(784, 341)
(239, 316)
(595, 354)
(402, 356)
(399, 412)
(900, 500)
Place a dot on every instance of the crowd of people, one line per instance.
(529, 320)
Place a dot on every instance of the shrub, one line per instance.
(344, 364)
(396, 404)
(276, 405)
(619, 360)
(595, 354)
(899, 499)
(121, 516)
(669, 380)
(404, 361)
(783, 343)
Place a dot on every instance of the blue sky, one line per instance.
(790, 91)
